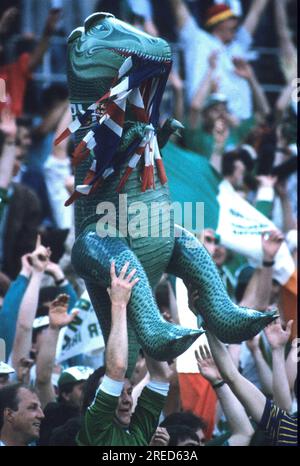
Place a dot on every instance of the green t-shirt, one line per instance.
(101, 428)
(200, 141)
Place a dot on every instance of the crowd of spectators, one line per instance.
(247, 136)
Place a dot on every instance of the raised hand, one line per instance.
(206, 365)
(55, 271)
(176, 81)
(39, 258)
(271, 242)
(8, 124)
(26, 265)
(160, 438)
(242, 68)
(253, 344)
(58, 315)
(51, 22)
(220, 131)
(23, 370)
(120, 290)
(278, 336)
(7, 18)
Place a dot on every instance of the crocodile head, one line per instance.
(98, 49)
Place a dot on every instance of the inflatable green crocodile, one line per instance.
(116, 77)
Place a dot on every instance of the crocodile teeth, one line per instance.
(143, 55)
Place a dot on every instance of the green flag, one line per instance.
(191, 178)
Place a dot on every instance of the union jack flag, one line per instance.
(140, 83)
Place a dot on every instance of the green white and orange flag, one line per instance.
(238, 224)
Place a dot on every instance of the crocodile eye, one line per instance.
(101, 27)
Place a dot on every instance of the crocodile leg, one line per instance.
(91, 257)
(229, 322)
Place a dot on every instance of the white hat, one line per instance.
(40, 322)
(74, 374)
(5, 368)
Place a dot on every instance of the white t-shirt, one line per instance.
(56, 171)
(198, 45)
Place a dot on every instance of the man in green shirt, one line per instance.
(109, 420)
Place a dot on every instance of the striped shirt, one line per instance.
(280, 427)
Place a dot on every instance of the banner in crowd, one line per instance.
(82, 335)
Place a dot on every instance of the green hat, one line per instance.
(74, 374)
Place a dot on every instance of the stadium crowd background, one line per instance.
(234, 87)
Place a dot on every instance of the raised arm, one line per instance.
(11, 304)
(178, 88)
(287, 48)
(258, 292)
(51, 120)
(264, 371)
(203, 91)
(58, 318)
(291, 364)
(244, 70)
(252, 19)
(280, 427)
(251, 398)
(284, 99)
(278, 338)
(62, 282)
(159, 370)
(28, 307)
(43, 44)
(60, 151)
(100, 414)
(271, 242)
(239, 424)
(181, 12)
(7, 18)
(117, 344)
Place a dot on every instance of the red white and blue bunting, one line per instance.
(140, 84)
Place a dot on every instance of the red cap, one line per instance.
(218, 13)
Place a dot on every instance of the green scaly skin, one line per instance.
(92, 64)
